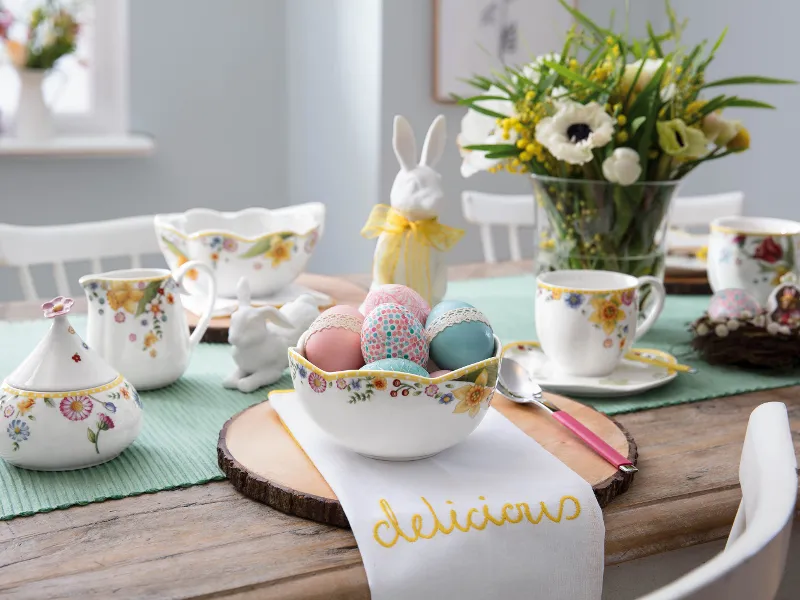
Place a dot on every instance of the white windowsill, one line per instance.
(117, 145)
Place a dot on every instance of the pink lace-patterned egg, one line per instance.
(732, 304)
(392, 331)
(333, 342)
(398, 294)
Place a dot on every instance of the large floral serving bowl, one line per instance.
(396, 416)
(269, 247)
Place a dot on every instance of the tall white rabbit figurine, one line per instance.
(410, 238)
(260, 348)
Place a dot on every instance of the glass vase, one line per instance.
(600, 225)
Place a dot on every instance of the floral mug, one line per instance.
(587, 320)
(138, 324)
(751, 254)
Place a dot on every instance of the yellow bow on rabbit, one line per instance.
(411, 239)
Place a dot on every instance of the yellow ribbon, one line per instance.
(414, 239)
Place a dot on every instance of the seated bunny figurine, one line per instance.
(410, 238)
(259, 348)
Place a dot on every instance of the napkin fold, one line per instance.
(495, 517)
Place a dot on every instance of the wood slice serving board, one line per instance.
(264, 462)
(340, 290)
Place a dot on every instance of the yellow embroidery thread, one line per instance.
(416, 238)
(417, 520)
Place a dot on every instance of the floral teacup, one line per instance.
(587, 320)
(396, 416)
(138, 324)
(751, 254)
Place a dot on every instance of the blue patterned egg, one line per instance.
(401, 365)
(732, 304)
(459, 335)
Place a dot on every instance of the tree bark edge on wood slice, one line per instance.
(328, 510)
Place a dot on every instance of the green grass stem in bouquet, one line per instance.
(607, 128)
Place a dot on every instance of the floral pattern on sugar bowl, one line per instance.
(605, 310)
(468, 391)
(138, 305)
(23, 414)
(269, 247)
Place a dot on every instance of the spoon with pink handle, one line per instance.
(516, 384)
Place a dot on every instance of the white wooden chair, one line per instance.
(751, 566)
(699, 211)
(511, 211)
(23, 247)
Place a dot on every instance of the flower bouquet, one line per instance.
(50, 34)
(607, 128)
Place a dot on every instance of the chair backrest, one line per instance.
(699, 211)
(23, 246)
(511, 211)
(751, 566)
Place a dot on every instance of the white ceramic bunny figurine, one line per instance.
(410, 238)
(259, 349)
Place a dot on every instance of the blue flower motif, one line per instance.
(136, 398)
(163, 318)
(216, 240)
(355, 384)
(18, 430)
(85, 345)
(93, 286)
(100, 312)
(101, 300)
(625, 329)
(109, 406)
(144, 322)
(573, 300)
(446, 398)
(301, 370)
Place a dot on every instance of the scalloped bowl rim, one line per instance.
(296, 356)
(167, 221)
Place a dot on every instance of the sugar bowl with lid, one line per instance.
(64, 407)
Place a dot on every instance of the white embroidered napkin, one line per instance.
(494, 517)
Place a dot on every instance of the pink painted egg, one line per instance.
(333, 342)
(398, 294)
(439, 373)
(732, 304)
(392, 331)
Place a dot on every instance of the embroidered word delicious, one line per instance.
(519, 512)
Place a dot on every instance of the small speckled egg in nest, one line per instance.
(392, 331)
(732, 304)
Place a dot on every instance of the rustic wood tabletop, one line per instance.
(209, 541)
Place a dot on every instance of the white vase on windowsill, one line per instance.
(34, 119)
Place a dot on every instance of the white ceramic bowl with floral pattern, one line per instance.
(269, 247)
(396, 416)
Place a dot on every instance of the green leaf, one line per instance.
(49, 402)
(492, 147)
(470, 100)
(744, 79)
(573, 76)
(172, 247)
(487, 112)
(745, 103)
(262, 246)
(636, 123)
(718, 42)
(654, 40)
(91, 435)
(598, 31)
(150, 292)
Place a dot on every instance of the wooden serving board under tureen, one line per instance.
(262, 460)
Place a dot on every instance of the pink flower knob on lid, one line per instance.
(57, 306)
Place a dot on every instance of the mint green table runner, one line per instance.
(177, 447)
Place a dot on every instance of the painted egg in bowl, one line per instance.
(392, 415)
(270, 247)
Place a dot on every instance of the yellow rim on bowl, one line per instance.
(86, 392)
(227, 234)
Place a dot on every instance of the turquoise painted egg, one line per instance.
(459, 335)
(392, 331)
(401, 365)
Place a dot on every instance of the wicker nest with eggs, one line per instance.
(750, 340)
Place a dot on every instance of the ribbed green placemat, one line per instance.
(509, 304)
(177, 447)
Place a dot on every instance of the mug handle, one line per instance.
(660, 295)
(205, 320)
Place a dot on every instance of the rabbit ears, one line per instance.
(405, 144)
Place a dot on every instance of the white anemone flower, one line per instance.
(478, 129)
(622, 166)
(533, 70)
(575, 130)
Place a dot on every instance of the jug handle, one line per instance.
(205, 320)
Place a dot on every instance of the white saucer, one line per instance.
(224, 307)
(629, 378)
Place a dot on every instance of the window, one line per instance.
(87, 91)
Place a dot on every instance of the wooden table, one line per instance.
(209, 541)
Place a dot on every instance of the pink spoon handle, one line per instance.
(596, 444)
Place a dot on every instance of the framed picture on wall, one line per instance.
(477, 36)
